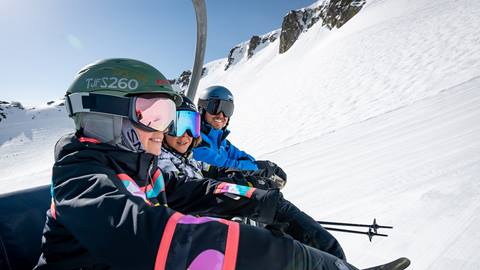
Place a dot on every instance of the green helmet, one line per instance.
(111, 82)
(122, 77)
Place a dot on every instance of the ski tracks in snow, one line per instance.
(416, 168)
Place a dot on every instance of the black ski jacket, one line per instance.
(104, 215)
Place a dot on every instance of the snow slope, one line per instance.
(416, 168)
(27, 138)
(377, 119)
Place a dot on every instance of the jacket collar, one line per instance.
(137, 165)
(168, 151)
(208, 130)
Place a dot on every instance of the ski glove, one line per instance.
(246, 178)
(272, 171)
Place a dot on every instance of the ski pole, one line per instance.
(373, 226)
(370, 234)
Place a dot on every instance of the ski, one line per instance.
(398, 264)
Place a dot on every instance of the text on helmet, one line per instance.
(112, 83)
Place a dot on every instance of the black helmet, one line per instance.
(188, 120)
(216, 99)
(187, 105)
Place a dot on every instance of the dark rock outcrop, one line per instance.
(2, 114)
(252, 45)
(334, 14)
(184, 80)
(4, 106)
(291, 29)
(16, 104)
(338, 12)
(231, 55)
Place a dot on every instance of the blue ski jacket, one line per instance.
(216, 150)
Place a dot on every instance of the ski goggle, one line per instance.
(187, 121)
(216, 106)
(153, 113)
(150, 112)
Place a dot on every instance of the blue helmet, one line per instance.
(216, 99)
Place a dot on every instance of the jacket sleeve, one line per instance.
(223, 158)
(245, 161)
(219, 198)
(212, 156)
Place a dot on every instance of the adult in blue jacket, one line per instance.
(216, 107)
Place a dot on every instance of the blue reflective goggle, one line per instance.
(187, 121)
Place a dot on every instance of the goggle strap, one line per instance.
(89, 102)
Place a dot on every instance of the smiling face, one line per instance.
(151, 141)
(217, 121)
(179, 144)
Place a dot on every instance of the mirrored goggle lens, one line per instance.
(187, 121)
(217, 106)
(155, 113)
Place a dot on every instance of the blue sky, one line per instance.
(44, 43)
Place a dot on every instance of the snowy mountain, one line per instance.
(332, 14)
(27, 138)
(378, 118)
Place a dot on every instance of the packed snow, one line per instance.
(377, 119)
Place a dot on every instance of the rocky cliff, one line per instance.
(332, 14)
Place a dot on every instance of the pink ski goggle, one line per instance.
(153, 113)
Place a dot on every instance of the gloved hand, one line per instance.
(249, 178)
(271, 171)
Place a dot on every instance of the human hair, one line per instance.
(196, 141)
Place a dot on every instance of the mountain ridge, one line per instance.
(332, 14)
